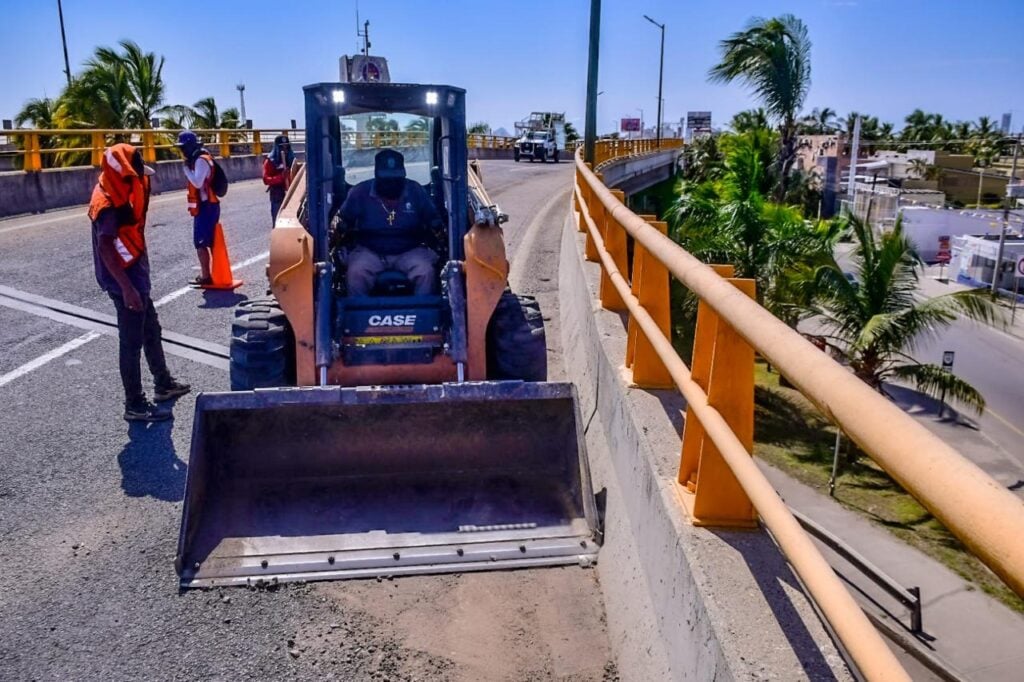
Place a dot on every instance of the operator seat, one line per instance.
(391, 283)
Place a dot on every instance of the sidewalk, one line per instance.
(974, 634)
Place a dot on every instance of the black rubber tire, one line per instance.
(515, 155)
(554, 156)
(543, 156)
(262, 346)
(516, 344)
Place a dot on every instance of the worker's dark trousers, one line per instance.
(138, 332)
(276, 199)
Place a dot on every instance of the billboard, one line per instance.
(630, 125)
(698, 123)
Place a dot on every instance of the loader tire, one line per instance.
(262, 346)
(516, 345)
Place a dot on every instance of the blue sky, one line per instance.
(882, 57)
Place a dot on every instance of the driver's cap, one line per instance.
(389, 164)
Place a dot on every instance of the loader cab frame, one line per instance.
(390, 333)
(327, 104)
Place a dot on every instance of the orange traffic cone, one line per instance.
(220, 264)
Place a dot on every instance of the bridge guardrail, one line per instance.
(32, 146)
(719, 484)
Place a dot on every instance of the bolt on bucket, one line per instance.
(327, 483)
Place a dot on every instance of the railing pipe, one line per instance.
(869, 652)
(979, 511)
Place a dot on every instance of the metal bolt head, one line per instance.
(330, 559)
(263, 563)
(522, 548)
(460, 551)
(396, 556)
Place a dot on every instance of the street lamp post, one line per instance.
(590, 121)
(241, 95)
(661, 72)
(640, 109)
(64, 41)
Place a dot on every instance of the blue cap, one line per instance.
(186, 138)
(389, 164)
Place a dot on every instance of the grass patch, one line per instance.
(792, 435)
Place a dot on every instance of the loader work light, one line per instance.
(338, 96)
(431, 97)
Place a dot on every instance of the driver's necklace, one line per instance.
(389, 211)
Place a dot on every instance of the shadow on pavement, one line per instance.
(914, 402)
(221, 299)
(771, 572)
(149, 465)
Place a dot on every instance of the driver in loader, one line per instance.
(394, 225)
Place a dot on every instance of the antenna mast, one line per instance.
(364, 34)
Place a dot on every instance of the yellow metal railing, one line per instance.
(32, 146)
(719, 484)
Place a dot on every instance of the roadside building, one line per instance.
(974, 259)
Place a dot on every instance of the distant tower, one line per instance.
(1004, 125)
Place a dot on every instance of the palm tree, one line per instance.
(571, 134)
(206, 115)
(702, 159)
(751, 119)
(117, 89)
(773, 58)
(879, 318)
(728, 220)
(819, 121)
(479, 128)
(919, 167)
(42, 114)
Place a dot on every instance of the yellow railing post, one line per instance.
(598, 213)
(614, 237)
(99, 143)
(225, 144)
(148, 148)
(712, 495)
(33, 158)
(257, 143)
(651, 286)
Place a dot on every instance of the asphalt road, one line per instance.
(91, 506)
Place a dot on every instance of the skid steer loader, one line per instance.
(393, 433)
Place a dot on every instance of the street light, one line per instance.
(241, 94)
(640, 109)
(661, 72)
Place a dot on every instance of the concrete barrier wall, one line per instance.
(683, 603)
(57, 188)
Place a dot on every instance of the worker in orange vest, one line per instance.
(203, 203)
(118, 213)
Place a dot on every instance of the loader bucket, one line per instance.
(326, 483)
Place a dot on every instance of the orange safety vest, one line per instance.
(121, 189)
(194, 196)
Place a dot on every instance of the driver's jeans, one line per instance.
(363, 266)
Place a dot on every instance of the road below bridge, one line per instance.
(91, 506)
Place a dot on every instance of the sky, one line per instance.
(880, 57)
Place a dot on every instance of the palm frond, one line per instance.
(936, 382)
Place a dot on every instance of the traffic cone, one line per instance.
(220, 264)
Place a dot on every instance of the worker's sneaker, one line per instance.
(199, 281)
(145, 411)
(172, 389)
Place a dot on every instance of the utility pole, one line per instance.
(661, 73)
(241, 94)
(64, 41)
(851, 189)
(1006, 219)
(640, 109)
(590, 122)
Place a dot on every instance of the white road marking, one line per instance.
(38, 362)
(47, 357)
(72, 215)
(178, 293)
